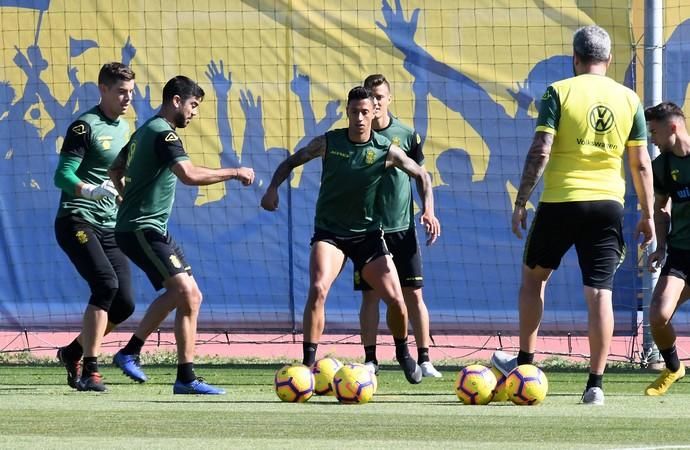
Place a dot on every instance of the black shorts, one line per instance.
(157, 255)
(97, 258)
(404, 247)
(677, 263)
(361, 249)
(594, 227)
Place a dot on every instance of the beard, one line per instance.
(179, 120)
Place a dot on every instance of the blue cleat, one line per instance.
(129, 364)
(198, 387)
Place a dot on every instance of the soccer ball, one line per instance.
(323, 371)
(475, 385)
(353, 383)
(526, 385)
(294, 383)
(499, 392)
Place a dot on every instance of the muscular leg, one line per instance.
(531, 303)
(369, 317)
(669, 290)
(419, 315)
(600, 306)
(325, 263)
(185, 290)
(383, 278)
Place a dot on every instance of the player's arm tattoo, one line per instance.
(314, 149)
(535, 163)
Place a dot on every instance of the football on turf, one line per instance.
(527, 385)
(323, 371)
(475, 385)
(294, 383)
(353, 384)
(499, 393)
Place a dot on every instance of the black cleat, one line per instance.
(93, 382)
(412, 371)
(73, 368)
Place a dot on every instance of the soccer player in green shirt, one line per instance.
(347, 223)
(671, 170)
(587, 124)
(146, 173)
(85, 221)
(397, 216)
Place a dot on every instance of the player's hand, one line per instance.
(245, 175)
(432, 227)
(519, 220)
(656, 259)
(645, 229)
(269, 201)
(95, 193)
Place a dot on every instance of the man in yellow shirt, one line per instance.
(586, 124)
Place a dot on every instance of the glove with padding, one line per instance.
(95, 193)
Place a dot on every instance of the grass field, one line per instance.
(37, 410)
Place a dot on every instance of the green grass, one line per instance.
(37, 410)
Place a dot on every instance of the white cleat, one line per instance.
(593, 396)
(372, 367)
(504, 362)
(428, 370)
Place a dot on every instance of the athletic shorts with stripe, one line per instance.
(156, 254)
(593, 227)
(404, 247)
(361, 248)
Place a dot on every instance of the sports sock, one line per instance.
(670, 356)
(185, 372)
(90, 366)
(525, 358)
(401, 350)
(370, 354)
(309, 352)
(422, 354)
(73, 351)
(133, 347)
(595, 380)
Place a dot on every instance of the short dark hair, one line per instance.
(359, 93)
(663, 111)
(183, 86)
(376, 80)
(113, 72)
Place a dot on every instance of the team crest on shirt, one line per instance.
(79, 129)
(105, 141)
(674, 174)
(419, 138)
(370, 157)
(396, 141)
(175, 261)
(601, 119)
(82, 237)
(171, 137)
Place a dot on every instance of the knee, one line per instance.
(122, 307)
(657, 317)
(318, 292)
(190, 298)
(413, 298)
(103, 293)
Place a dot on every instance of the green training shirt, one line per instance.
(149, 182)
(395, 191)
(672, 178)
(91, 144)
(350, 177)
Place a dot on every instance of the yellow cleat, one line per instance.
(664, 381)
